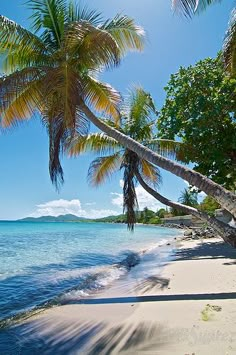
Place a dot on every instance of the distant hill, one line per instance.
(121, 218)
(61, 218)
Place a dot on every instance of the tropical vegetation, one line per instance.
(200, 109)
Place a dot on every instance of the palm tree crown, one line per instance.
(137, 122)
(188, 198)
(54, 68)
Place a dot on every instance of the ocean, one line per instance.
(45, 264)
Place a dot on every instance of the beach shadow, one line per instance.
(40, 337)
(217, 250)
(129, 338)
(152, 283)
(230, 263)
(159, 298)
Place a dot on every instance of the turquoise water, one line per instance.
(56, 262)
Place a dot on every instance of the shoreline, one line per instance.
(189, 308)
(130, 261)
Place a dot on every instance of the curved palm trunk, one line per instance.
(225, 231)
(225, 198)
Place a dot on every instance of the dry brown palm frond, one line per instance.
(150, 173)
(102, 168)
(130, 202)
(102, 97)
(94, 46)
(20, 96)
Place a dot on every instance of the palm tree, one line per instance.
(136, 121)
(53, 71)
(188, 197)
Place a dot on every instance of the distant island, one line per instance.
(146, 217)
(73, 218)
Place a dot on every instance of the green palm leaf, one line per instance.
(138, 111)
(77, 13)
(49, 15)
(166, 147)
(190, 7)
(98, 143)
(127, 34)
(19, 46)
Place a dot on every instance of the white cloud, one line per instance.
(61, 207)
(202, 195)
(144, 199)
(90, 203)
(117, 200)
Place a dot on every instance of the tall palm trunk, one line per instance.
(224, 230)
(225, 198)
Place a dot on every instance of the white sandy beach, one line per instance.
(167, 314)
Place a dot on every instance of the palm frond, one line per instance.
(98, 143)
(166, 147)
(19, 46)
(150, 173)
(229, 47)
(62, 90)
(94, 47)
(138, 111)
(49, 16)
(189, 7)
(56, 132)
(20, 96)
(102, 168)
(102, 97)
(77, 13)
(127, 34)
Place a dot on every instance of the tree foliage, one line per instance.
(200, 110)
(209, 205)
(188, 198)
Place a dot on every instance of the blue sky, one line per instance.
(25, 187)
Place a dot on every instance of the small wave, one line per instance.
(96, 279)
(90, 281)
